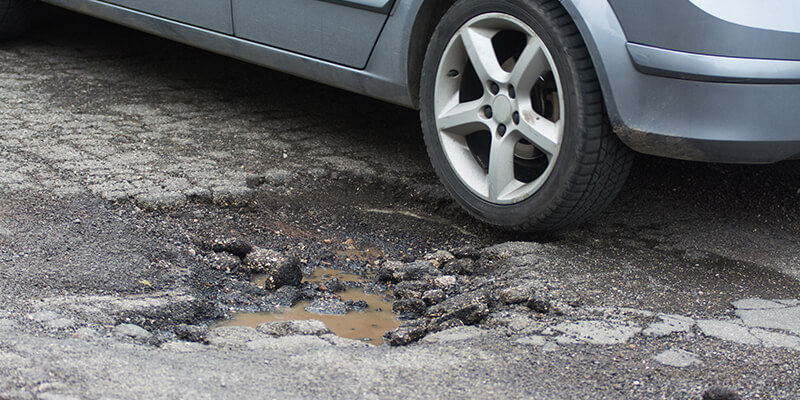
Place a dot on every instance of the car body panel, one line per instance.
(209, 14)
(336, 32)
(383, 78)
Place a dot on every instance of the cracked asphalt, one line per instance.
(119, 150)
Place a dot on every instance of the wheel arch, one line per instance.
(428, 16)
(593, 20)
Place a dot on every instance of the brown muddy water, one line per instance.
(368, 325)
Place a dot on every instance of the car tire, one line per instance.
(513, 116)
(16, 17)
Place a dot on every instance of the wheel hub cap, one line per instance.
(501, 109)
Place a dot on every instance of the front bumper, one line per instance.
(714, 108)
(676, 101)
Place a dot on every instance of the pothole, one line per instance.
(368, 315)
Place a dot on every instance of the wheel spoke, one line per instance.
(501, 166)
(480, 50)
(541, 132)
(531, 64)
(462, 118)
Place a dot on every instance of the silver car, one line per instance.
(529, 108)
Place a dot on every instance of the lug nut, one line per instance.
(452, 73)
(501, 130)
(511, 92)
(494, 88)
(515, 117)
(487, 112)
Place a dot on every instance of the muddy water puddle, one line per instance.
(368, 325)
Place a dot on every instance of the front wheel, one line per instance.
(16, 17)
(513, 116)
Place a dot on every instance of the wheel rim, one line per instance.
(498, 108)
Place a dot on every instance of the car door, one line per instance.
(209, 14)
(339, 31)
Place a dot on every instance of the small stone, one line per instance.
(226, 262)
(286, 296)
(516, 294)
(234, 245)
(334, 285)
(400, 293)
(279, 269)
(537, 302)
(468, 308)
(415, 271)
(460, 266)
(466, 252)
(133, 331)
(311, 327)
(386, 271)
(405, 334)
(254, 181)
(409, 306)
(444, 281)
(191, 333)
(677, 358)
(384, 275)
(720, 393)
(359, 305)
(443, 325)
(435, 296)
(327, 306)
(439, 257)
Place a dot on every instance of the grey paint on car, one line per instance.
(214, 15)
(682, 25)
(329, 31)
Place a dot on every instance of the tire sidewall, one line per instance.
(547, 198)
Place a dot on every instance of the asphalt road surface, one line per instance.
(123, 155)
